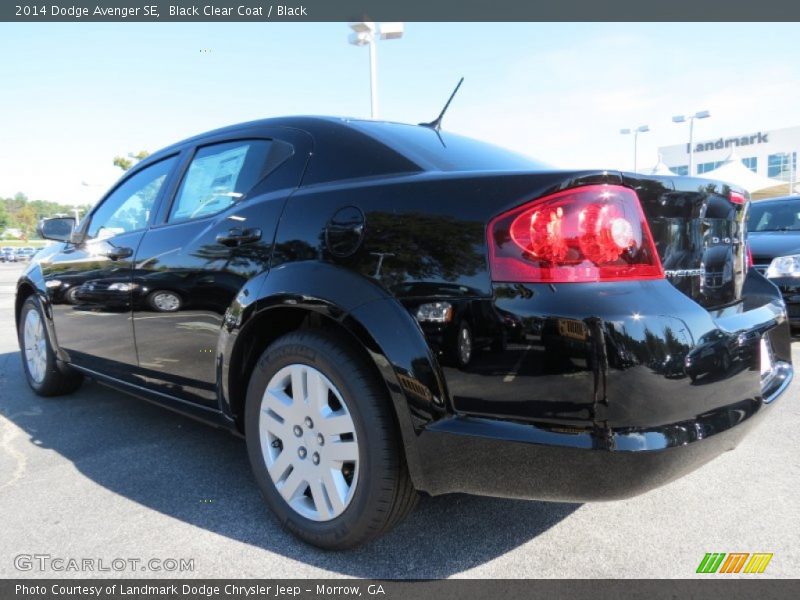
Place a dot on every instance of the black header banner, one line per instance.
(397, 10)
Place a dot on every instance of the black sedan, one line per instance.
(774, 235)
(318, 276)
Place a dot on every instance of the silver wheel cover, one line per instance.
(166, 301)
(464, 345)
(35, 345)
(309, 442)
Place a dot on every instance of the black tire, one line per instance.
(58, 380)
(71, 296)
(725, 362)
(384, 495)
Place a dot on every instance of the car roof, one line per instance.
(777, 199)
(346, 148)
(310, 124)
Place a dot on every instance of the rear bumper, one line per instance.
(516, 460)
(596, 406)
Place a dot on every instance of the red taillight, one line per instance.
(737, 198)
(749, 255)
(590, 233)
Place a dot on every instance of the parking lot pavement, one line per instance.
(101, 475)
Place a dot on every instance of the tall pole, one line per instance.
(367, 33)
(702, 114)
(373, 77)
(635, 131)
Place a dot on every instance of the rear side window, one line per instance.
(219, 176)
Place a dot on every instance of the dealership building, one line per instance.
(768, 152)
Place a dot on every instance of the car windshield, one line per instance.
(443, 151)
(775, 216)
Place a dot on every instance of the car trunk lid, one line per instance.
(699, 230)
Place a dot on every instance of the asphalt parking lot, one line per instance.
(101, 475)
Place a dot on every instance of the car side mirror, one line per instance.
(58, 228)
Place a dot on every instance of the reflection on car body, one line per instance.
(713, 355)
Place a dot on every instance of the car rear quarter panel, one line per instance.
(614, 368)
(420, 229)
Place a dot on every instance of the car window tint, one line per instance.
(218, 176)
(129, 206)
(774, 216)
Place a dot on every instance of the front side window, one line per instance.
(128, 208)
(219, 176)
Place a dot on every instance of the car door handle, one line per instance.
(237, 237)
(119, 253)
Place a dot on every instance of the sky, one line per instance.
(74, 95)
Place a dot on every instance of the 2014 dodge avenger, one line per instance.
(384, 309)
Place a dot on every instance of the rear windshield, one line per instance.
(775, 216)
(443, 151)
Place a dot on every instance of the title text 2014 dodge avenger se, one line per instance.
(385, 309)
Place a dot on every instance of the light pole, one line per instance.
(703, 114)
(366, 33)
(635, 132)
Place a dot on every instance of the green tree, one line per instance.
(126, 162)
(21, 213)
(4, 217)
(27, 219)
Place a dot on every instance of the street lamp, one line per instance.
(366, 33)
(635, 132)
(703, 114)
